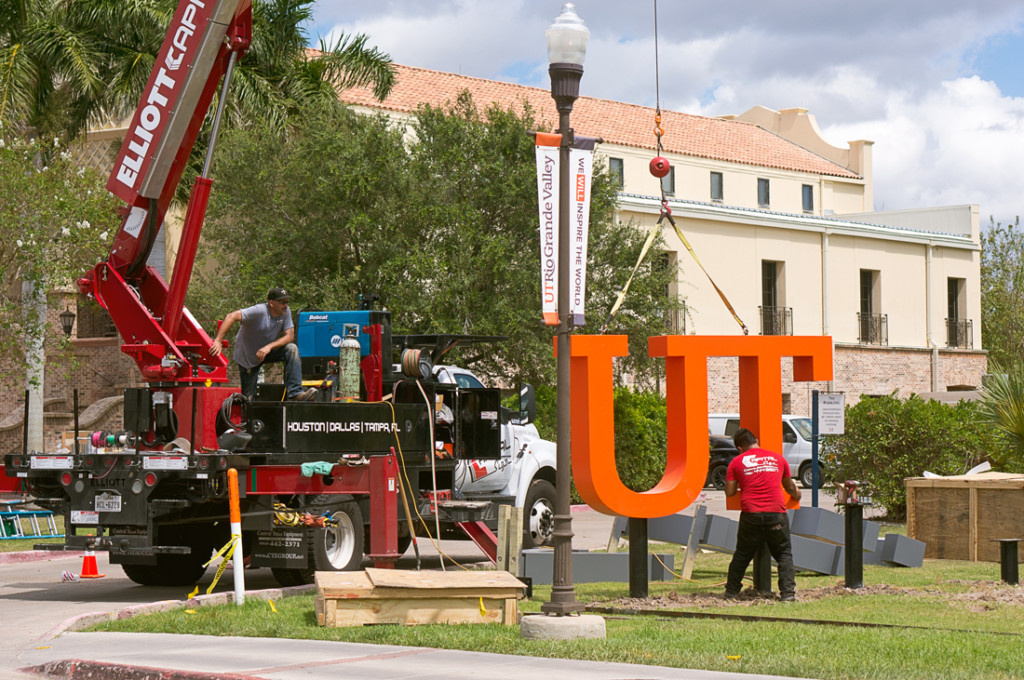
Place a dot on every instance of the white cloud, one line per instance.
(898, 73)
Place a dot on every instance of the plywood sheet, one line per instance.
(403, 578)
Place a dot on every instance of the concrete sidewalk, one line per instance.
(130, 656)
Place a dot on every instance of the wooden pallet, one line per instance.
(391, 596)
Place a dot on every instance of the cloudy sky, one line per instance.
(937, 85)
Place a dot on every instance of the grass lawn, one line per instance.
(947, 619)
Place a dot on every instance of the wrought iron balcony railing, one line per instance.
(959, 333)
(873, 329)
(776, 320)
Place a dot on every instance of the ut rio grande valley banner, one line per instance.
(581, 164)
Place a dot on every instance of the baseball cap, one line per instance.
(279, 294)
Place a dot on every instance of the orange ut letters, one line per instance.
(686, 386)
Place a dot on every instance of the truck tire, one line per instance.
(717, 476)
(807, 476)
(337, 548)
(539, 514)
(166, 572)
(176, 570)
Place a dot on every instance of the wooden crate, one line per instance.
(958, 517)
(377, 596)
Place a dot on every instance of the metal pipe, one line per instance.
(638, 583)
(929, 333)
(219, 114)
(854, 552)
(75, 393)
(825, 324)
(24, 429)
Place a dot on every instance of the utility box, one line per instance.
(958, 517)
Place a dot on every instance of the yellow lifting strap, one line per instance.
(667, 213)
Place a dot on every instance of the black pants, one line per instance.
(757, 529)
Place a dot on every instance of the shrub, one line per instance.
(888, 439)
(641, 439)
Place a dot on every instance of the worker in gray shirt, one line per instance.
(266, 335)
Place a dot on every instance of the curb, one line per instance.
(76, 669)
(37, 556)
(83, 621)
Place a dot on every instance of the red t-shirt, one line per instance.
(759, 474)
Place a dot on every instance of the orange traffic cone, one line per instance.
(89, 569)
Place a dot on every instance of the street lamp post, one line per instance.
(567, 46)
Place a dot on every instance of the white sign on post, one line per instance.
(831, 413)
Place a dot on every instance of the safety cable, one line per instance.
(665, 212)
(426, 527)
(433, 461)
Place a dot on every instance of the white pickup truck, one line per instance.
(796, 441)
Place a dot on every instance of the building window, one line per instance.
(616, 170)
(763, 196)
(776, 319)
(717, 190)
(808, 196)
(872, 327)
(959, 331)
(787, 402)
(93, 320)
(668, 182)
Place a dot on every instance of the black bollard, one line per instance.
(854, 551)
(763, 570)
(638, 557)
(1008, 559)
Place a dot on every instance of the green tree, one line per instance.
(1002, 293)
(63, 62)
(443, 226)
(1003, 408)
(56, 221)
(889, 439)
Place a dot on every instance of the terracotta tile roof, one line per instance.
(616, 122)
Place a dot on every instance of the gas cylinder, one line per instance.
(348, 368)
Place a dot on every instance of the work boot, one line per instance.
(305, 395)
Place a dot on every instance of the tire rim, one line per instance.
(340, 541)
(542, 521)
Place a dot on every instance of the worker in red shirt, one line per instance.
(761, 475)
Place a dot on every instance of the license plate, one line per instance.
(108, 502)
(165, 462)
(52, 463)
(84, 517)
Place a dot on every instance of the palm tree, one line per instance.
(66, 63)
(1003, 406)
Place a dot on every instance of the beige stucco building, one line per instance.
(784, 223)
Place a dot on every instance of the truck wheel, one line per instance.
(340, 548)
(175, 570)
(337, 548)
(807, 476)
(539, 514)
(169, 570)
(718, 476)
